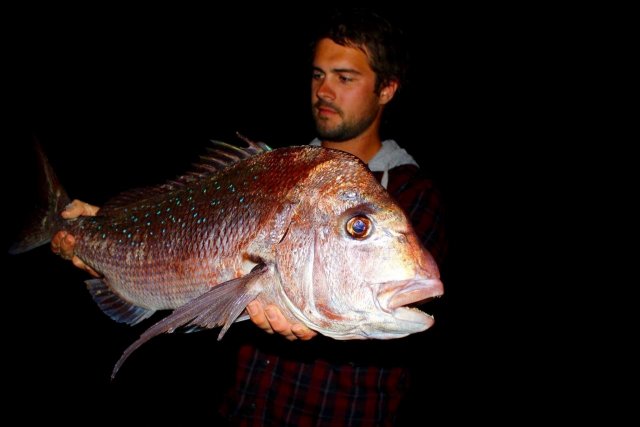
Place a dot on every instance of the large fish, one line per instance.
(306, 228)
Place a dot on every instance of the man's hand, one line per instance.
(63, 243)
(271, 320)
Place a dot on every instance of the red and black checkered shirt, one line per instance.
(324, 382)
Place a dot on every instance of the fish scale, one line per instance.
(167, 263)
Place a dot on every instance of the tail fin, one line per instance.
(46, 219)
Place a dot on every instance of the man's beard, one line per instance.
(345, 130)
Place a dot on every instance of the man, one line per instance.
(357, 70)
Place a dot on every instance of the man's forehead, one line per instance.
(340, 57)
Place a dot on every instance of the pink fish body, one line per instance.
(306, 228)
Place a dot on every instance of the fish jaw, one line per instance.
(384, 313)
(394, 298)
(390, 318)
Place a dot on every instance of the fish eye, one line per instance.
(359, 227)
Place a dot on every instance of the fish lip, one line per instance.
(399, 294)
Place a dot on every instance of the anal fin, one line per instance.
(115, 307)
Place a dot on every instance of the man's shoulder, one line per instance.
(409, 177)
(409, 172)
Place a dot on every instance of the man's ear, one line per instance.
(387, 92)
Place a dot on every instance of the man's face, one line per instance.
(343, 98)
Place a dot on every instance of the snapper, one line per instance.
(306, 228)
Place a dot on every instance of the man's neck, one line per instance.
(364, 147)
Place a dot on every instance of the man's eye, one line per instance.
(345, 79)
(316, 76)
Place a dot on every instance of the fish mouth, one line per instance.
(400, 294)
(401, 298)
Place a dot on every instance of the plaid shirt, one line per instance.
(324, 382)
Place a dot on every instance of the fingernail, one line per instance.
(251, 308)
(270, 313)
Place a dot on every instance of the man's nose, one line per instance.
(324, 90)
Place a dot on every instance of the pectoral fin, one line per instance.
(220, 306)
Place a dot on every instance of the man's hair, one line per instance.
(382, 43)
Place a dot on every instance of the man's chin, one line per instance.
(332, 135)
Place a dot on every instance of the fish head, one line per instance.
(351, 263)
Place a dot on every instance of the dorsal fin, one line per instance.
(217, 158)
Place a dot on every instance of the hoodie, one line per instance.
(391, 155)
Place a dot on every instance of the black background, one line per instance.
(126, 99)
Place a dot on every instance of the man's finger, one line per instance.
(279, 323)
(79, 208)
(67, 245)
(56, 240)
(78, 263)
(302, 332)
(256, 313)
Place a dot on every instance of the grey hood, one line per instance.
(391, 155)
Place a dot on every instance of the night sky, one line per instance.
(127, 100)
